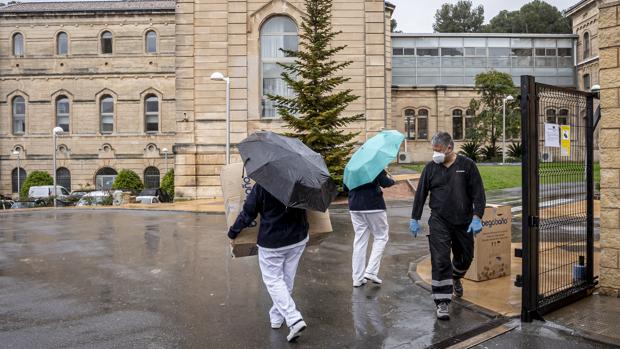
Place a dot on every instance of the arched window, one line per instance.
(19, 115)
(550, 114)
(107, 114)
(469, 123)
(563, 117)
(63, 177)
(17, 179)
(586, 45)
(422, 124)
(151, 113)
(62, 43)
(151, 42)
(457, 124)
(106, 42)
(410, 123)
(62, 113)
(18, 45)
(277, 33)
(104, 178)
(151, 177)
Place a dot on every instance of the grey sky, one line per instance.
(417, 16)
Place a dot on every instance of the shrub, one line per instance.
(167, 184)
(515, 150)
(128, 180)
(471, 149)
(35, 178)
(491, 153)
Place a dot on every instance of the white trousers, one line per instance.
(365, 223)
(279, 269)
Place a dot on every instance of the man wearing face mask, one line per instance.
(457, 204)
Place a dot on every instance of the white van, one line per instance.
(93, 198)
(46, 191)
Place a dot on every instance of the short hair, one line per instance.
(442, 138)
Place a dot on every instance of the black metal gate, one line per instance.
(558, 197)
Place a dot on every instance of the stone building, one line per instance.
(241, 39)
(104, 72)
(585, 22)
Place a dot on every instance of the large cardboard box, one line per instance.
(235, 187)
(492, 245)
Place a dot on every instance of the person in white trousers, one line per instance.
(369, 216)
(282, 238)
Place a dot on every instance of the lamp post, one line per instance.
(217, 76)
(55, 133)
(17, 153)
(506, 99)
(165, 151)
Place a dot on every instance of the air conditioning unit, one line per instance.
(546, 157)
(404, 158)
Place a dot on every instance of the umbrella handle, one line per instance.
(243, 172)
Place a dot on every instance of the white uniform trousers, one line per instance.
(278, 268)
(365, 223)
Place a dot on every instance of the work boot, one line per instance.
(458, 287)
(373, 278)
(442, 311)
(296, 330)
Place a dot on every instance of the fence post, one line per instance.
(590, 189)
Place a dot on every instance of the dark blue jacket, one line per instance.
(280, 226)
(369, 197)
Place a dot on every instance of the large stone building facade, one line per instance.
(585, 22)
(241, 39)
(104, 72)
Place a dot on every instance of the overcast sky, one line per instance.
(417, 16)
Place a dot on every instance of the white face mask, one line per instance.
(438, 157)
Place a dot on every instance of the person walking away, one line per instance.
(282, 238)
(368, 215)
(457, 205)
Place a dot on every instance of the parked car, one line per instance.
(147, 199)
(6, 204)
(26, 204)
(95, 198)
(157, 192)
(47, 191)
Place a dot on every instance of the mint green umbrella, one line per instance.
(371, 158)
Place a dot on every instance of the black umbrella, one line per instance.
(288, 170)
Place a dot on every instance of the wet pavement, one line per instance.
(145, 279)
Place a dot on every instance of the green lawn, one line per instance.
(501, 177)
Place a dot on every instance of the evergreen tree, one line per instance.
(534, 17)
(461, 17)
(314, 113)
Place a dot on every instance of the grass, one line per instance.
(502, 177)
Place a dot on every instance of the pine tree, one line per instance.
(314, 112)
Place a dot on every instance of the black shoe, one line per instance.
(443, 313)
(458, 287)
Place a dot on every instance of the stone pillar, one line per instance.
(609, 34)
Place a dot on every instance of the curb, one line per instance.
(67, 209)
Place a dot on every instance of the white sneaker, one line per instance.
(276, 326)
(443, 313)
(296, 330)
(359, 283)
(373, 278)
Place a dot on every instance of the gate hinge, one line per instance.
(533, 221)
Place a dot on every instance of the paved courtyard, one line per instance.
(146, 279)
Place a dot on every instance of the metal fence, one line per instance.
(558, 177)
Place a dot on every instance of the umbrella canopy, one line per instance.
(288, 170)
(371, 158)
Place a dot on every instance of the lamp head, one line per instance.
(57, 130)
(596, 88)
(217, 76)
(510, 98)
(15, 152)
(165, 150)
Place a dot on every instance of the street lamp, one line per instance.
(55, 133)
(217, 76)
(165, 151)
(17, 153)
(506, 99)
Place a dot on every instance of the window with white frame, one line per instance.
(151, 113)
(19, 115)
(63, 113)
(106, 110)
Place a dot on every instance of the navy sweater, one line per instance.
(369, 197)
(280, 226)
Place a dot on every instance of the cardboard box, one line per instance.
(492, 245)
(235, 187)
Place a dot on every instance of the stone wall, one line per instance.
(223, 36)
(609, 42)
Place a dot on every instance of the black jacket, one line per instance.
(369, 197)
(457, 192)
(280, 226)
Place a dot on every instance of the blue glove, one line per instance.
(414, 227)
(475, 226)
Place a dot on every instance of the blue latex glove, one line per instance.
(475, 226)
(414, 227)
